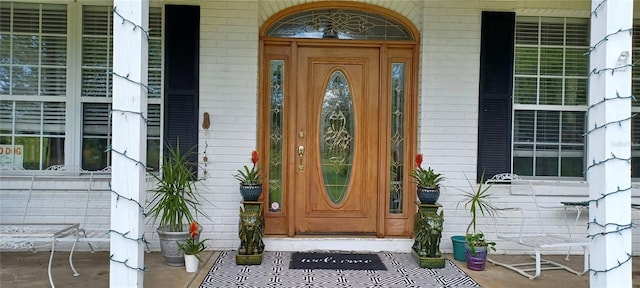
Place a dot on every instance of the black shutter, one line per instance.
(182, 38)
(496, 86)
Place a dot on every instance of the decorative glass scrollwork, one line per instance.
(337, 137)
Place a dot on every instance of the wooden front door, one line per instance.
(337, 126)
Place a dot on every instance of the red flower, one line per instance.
(193, 229)
(254, 157)
(419, 161)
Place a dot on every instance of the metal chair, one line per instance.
(529, 231)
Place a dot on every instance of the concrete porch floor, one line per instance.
(25, 269)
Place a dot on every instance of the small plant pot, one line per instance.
(191, 263)
(250, 192)
(476, 262)
(428, 195)
(459, 248)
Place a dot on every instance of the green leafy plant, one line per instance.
(175, 198)
(426, 178)
(477, 240)
(477, 202)
(251, 176)
(191, 246)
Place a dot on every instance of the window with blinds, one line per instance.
(550, 96)
(635, 105)
(97, 64)
(33, 66)
(37, 93)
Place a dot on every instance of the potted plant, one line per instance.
(250, 180)
(192, 248)
(428, 182)
(174, 201)
(476, 246)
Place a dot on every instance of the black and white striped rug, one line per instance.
(402, 271)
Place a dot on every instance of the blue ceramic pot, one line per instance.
(428, 195)
(250, 192)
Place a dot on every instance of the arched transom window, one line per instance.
(339, 24)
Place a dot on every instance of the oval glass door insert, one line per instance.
(337, 137)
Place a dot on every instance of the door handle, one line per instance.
(300, 155)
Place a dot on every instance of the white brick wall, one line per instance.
(450, 46)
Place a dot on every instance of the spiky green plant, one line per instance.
(477, 202)
(175, 198)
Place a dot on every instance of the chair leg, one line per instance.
(586, 259)
(538, 266)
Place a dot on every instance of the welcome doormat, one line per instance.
(336, 261)
(402, 271)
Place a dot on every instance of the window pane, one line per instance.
(96, 130)
(635, 147)
(25, 80)
(6, 117)
(4, 80)
(95, 20)
(551, 60)
(523, 159)
(552, 31)
(526, 61)
(5, 16)
(5, 52)
(28, 117)
(26, 49)
(94, 52)
(526, 90)
(550, 91)
(573, 127)
(26, 18)
(97, 48)
(547, 160)
(577, 32)
(53, 118)
(153, 137)
(94, 156)
(53, 82)
(548, 127)
(527, 30)
(54, 19)
(523, 126)
(30, 152)
(94, 82)
(577, 64)
(575, 91)
(572, 164)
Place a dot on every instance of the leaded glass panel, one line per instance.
(397, 137)
(276, 107)
(337, 137)
(339, 24)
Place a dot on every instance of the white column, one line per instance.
(130, 59)
(609, 143)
